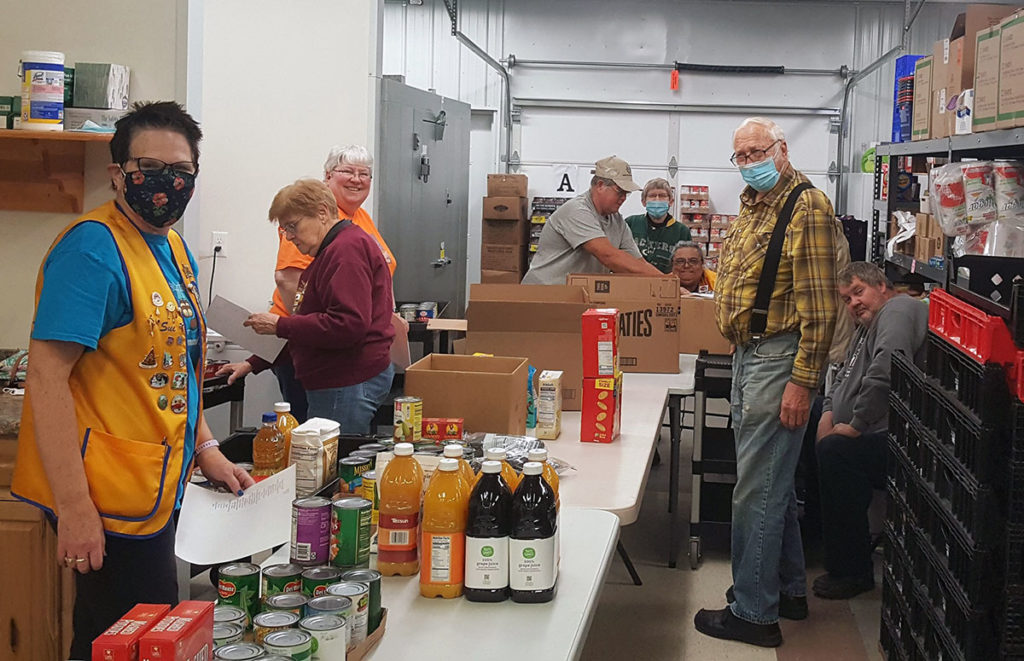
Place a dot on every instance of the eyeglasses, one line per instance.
(683, 261)
(153, 165)
(291, 228)
(354, 174)
(753, 156)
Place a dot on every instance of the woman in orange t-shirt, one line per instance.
(348, 172)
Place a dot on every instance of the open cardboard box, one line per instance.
(358, 652)
(698, 328)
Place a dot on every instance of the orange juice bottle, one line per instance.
(455, 451)
(445, 511)
(540, 455)
(286, 422)
(399, 489)
(268, 455)
(507, 472)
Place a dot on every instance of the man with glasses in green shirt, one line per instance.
(656, 232)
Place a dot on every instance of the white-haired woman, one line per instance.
(656, 232)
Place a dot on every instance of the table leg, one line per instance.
(629, 563)
(674, 412)
(235, 416)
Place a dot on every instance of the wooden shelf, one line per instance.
(44, 170)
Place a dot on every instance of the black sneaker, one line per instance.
(723, 624)
(791, 608)
(828, 586)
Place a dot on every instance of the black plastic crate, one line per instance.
(906, 617)
(980, 448)
(1013, 626)
(1017, 314)
(907, 383)
(982, 388)
(1015, 558)
(899, 520)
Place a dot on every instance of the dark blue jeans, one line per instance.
(353, 407)
(291, 390)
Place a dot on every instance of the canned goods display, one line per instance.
(408, 311)
(293, 602)
(330, 604)
(408, 419)
(238, 584)
(376, 447)
(238, 652)
(370, 494)
(311, 531)
(365, 454)
(278, 579)
(225, 633)
(359, 593)
(295, 643)
(330, 633)
(230, 615)
(316, 579)
(350, 532)
(350, 474)
(371, 577)
(426, 310)
(270, 621)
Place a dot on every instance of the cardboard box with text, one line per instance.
(697, 326)
(921, 128)
(602, 409)
(184, 634)
(120, 642)
(508, 185)
(600, 342)
(1011, 72)
(986, 79)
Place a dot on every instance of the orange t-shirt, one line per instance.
(288, 256)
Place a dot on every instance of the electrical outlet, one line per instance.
(219, 239)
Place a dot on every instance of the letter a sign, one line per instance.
(563, 180)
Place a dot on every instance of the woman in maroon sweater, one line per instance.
(340, 334)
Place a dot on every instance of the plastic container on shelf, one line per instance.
(42, 90)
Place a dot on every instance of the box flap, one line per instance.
(616, 287)
(439, 362)
(529, 293)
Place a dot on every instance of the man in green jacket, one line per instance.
(656, 232)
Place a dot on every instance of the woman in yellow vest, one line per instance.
(113, 417)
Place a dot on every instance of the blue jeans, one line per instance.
(353, 407)
(291, 389)
(767, 554)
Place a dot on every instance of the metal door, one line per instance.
(422, 185)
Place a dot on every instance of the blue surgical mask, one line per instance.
(657, 208)
(761, 176)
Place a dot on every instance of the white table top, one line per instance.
(506, 630)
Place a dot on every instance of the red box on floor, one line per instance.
(602, 409)
(185, 634)
(600, 343)
(121, 641)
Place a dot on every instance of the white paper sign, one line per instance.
(220, 527)
(564, 182)
(226, 318)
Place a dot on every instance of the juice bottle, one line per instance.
(540, 455)
(455, 451)
(268, 455)
(532, 552)
(444, 533)
(286, 422)
(487, 533)
(399, 489)
(507, 472)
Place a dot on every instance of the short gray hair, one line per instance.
(595, 180)
(868, 273)
(688, 244)
(348, 155)
(768, 125)
(657, 184)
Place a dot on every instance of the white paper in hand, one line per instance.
(227, 318)
(220, 527)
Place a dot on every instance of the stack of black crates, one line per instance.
(953, 577)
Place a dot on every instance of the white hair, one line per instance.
(348, 155)
(768, 125)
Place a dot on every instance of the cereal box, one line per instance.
(600, 342)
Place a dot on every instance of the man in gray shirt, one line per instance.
(587, 234)
(852, 433)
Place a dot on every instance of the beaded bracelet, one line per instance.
(206, 445)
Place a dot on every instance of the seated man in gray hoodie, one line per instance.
(852, 433)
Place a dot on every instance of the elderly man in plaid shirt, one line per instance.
(774, 376)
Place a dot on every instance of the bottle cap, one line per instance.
(269, 416)
(533, 468)
(497, 454)
(537, 454)
(282, 407)
(491, 467)
(453, 451)
(448, 465)
(403, 449)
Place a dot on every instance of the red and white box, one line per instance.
(600, 342)
(184, 634)
(602, 409)
(121, 641)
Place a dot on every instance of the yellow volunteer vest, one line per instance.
(130, 395)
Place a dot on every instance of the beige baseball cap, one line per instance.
(617, 170)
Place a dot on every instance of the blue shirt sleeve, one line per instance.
(85, 288)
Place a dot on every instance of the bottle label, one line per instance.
(396, 537)
(444, 558)
(487, 563)
(532, 564)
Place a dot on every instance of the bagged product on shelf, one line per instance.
(948, 201)
(979, 193)
(1009, 187)
(907, 224)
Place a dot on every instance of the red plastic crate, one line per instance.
(981, 336)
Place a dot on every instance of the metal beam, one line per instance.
(748, 109)
(512, 61)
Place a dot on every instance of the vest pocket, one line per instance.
(126, 478)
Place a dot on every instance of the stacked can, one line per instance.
(408, 420)
(329, 632)
(315, 580)
(238, 584)
(280, 579)
(311, 531)
(371, 578)
(358, 621)
(350, 532)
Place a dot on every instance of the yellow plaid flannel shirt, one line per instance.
(804, 299)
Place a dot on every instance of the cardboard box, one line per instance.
(541, 322)
(101, 85)
(648, 317)
(698, 328)
(120, 642)
(505, 232)
(986, 79)
(74, 118)
(602, 409)
(977, 17)
(964, 113)
(488, 392)
(549, 405)
(443, 429)
(505, 208)
(184, 634)
(922, 99)
(1011, 73)
(498, 257)
(507, 185)
(600, 342)
(490, 276)
(947, 56)
(928, 227)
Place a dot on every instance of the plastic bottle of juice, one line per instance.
(487, 533)
(532, 549)
(455, 451)
(445, 508)
(399, 489)
(540, 455)
(286, 422)
(268, 455)
(507, 472)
